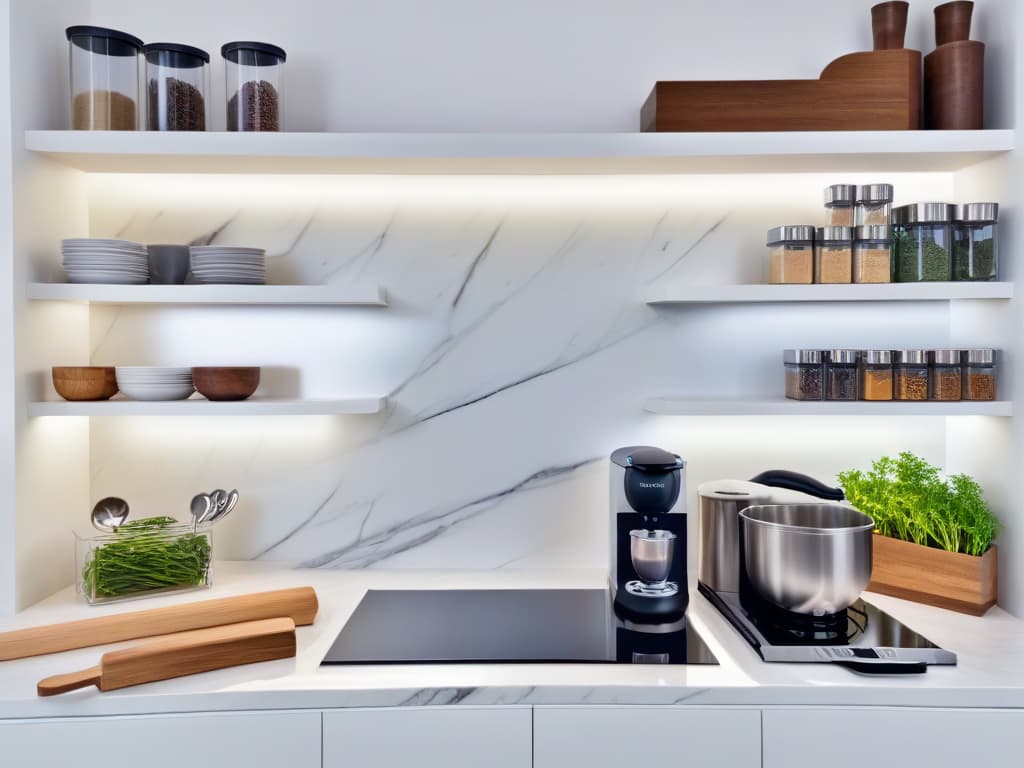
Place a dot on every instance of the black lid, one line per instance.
(252, 54)
(175, 55)
(110, 42)
(646, 458)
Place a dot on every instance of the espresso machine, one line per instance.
(648, 535)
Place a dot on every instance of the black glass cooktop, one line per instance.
(507, 626)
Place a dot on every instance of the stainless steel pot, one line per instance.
(807, 558)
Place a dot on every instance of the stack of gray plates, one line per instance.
(95, 260)
(228, 264)
(154, 383)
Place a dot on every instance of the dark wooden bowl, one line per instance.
(84, 382)
(235, 383)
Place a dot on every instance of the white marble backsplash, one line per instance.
(516, 351)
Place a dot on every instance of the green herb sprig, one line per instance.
(911, 501)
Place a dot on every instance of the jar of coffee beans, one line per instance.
(841, 374)
(804, 374)
(253, 77)
(979, 371)
(911, 374)
(176, 87)
(945, 382)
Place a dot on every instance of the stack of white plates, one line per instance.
(95, 260)
(228, 264)
(152, 383)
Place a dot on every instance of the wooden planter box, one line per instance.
(925, 575)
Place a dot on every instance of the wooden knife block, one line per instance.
(870, 91)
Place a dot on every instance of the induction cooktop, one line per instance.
(507, 626)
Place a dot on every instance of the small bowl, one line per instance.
(235, 383)
(84, 382)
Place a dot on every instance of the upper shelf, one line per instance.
(765, 294)
(252, 295)
(518, 153)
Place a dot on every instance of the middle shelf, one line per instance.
(667, 294)
(254, 406)
(767, 406)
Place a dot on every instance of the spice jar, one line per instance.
(911, 374)
(974, 241)
(874, 205)
(175, 87)
(876, 375)
(839, 202)
(979, 371)
(104, 79)
(872, 254)
(841, 374)
(922, 234)
(944, 382)
(833, 255)
(253, 77)
(791, 259)
(803, 374)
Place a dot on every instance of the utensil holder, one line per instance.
(144, 558)
(889, 24)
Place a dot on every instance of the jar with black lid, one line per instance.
(841, 374)
(975, 254)
(176, 87)
(923, 237)
(253, 74)
(104, 79)
(979, 374)
(911, 374)
(804, 374)
(945, 380)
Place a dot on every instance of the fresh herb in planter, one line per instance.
(145, 555)
(911, 501)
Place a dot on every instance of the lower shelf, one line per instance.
(200, 407)
(783, 406)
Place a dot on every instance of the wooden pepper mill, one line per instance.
(954, 73)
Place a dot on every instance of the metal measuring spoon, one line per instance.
(219, 499)
(109, 514)
(200, 508)
(225, 509)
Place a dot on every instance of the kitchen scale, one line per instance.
(508, 626)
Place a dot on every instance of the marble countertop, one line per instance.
(990, 649)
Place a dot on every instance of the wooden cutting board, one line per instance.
(184, 653)
(299, 604)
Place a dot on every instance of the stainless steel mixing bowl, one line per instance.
(807, 558)
(651, 552)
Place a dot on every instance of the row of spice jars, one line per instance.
(834, 254)
(105, 83)
(883, 374)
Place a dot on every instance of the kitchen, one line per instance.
(435, 201)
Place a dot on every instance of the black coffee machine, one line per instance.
(648, 532)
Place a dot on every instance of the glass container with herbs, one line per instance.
(945, 380)
(872, 254)
(922, 234)
(841, 374)
(911, 367)
(804, 374)
(791, 259)
(979, 374)
(876, 375)
(975, 254)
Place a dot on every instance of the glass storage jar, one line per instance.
(874, 205)
(791, 259)
(911, 369)
(841, 374)
(839, 202)
(975, 233)
(979, 372)
(253, 78)
(945, 375)
(922, 234)
(872, 255)
(876, 375)
(833, 255)
(804, 380)
(176, 87)
(104, 79)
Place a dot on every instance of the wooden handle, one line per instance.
(72, 681)
(299, 604)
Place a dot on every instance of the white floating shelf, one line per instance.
(783, 406)
(518, 153)
(201, 407)
(759, 294)
(318, 295)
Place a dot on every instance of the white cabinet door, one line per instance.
(428, 737)
(253, 740)
(673, 737)
(893, 738)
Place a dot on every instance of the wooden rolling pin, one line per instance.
(299, 604)
(184, 653)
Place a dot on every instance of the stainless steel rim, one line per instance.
(867, 525)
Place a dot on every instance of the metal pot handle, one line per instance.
(885, 667)
(794, 481)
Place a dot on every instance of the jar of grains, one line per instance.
(791, 259)
(841, 374)
(176, 87)
(872, 254)
(804, 370)
(104, 79)
(911, 368)
(922, 234)
(876, 375)
(253, 78)
(945, 380)
(874, 205)
(839, 202)
(979, 371)
(833, 255)
(974, 241)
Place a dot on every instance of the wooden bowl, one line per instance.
(226, 383)
(84, 382)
